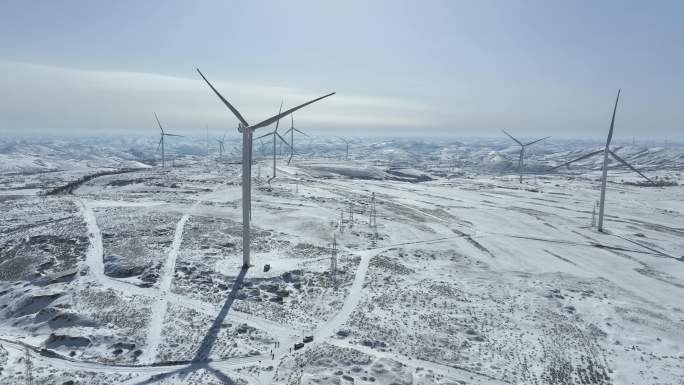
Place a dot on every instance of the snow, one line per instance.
(160, 306)
(468, 277)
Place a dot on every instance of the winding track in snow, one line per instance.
(163, 295)
(414, 363)
(322, 335)
(160, 306)
(285, 333)
(72, 364)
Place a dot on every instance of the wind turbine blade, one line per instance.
(284, 141)
(343, 139)
(230, 106)
(578, 159)
(535, 141)
(279, 111)
(612, 121)
(511, 136)
(159, 123)
(303, 133)
(286, 132)
(224, 137)
(291, 110)
(174, 135)
(218, 140)
(265, 135)
(630, 166)
(159, 145)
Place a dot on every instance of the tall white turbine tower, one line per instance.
(162, 134)
(522, 151)
(291, 131)
(347, 143)
(247, 131)
(221, 143)
(606, 151)
(275, 135)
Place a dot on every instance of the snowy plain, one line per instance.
(469, 277)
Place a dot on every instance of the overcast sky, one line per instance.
(420, 67)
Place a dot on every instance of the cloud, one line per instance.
(66, 99)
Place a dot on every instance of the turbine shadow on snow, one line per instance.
(220, 375)
(201, 359)
(187, 370)
(208, 341)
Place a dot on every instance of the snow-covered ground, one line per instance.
(468, 276)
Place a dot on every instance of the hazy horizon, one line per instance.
(441, 69)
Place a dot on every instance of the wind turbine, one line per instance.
(291, 131)
(161, 140)
(347, 143)
(247, 131)
(522, 151)
(276, 135)
(221, 143)
(606, 151)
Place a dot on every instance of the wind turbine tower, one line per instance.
(247, 132)
(275, 135)
(347, 143)
(606, 152)
(221, 143)
(522, 151)
(161, 140)
(291, 131)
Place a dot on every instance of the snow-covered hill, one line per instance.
(468, 276)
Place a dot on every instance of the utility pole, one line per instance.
(372, 220)
(341, 220)
(593, 216)
(333, 261)
(29, 367)
(351, 215)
